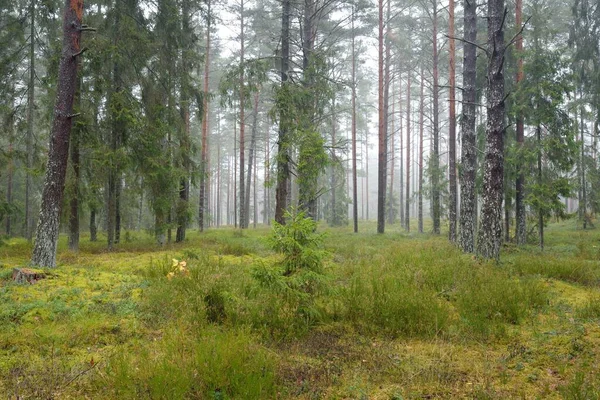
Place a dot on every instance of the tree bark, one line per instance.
(75, 165)
(468, 195)
(251, 156)
(452, 206)
(243, 223)
(421, 150)
(539, 177)
(354, 172)
(30, 120)
(520, 218)
(44, 251)
(490, 231)
(435, 158)
(10, 169)
(382, 164)
(407, 204)
(204, 145)
(184, 141)
(283, 156)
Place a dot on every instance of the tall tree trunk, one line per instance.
(334, 219)
(266, 186)
(583, 204)
(93, 226)
(30, 120)
(391, 151)
(10, 169)
(254, 204)
(235, 181)
(283, 151)
(75, 165)
(520, 220)
(367, 171)
(251, 156)
(44, 251)
(243, 221)
(184, 141)
(490, 231)
(421, 150)
(204, 144)
(115, 134)
(468, 195)
(539, 176)
(435, 157)
(452, 206)
(354, 173)
(218, 191)
(382, 168)
(407, 204)
(401, 152)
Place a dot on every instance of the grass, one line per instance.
(397, 316)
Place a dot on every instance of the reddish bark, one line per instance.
(44, 251)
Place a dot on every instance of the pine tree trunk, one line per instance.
(435, 157)
(490, 231)
(421, 150)
(401, 152)
(44, 251)
(407, 204)
(283, 155)
(539, 173)
(75, 165)
(452, 206)
(10, 169)
(354, 172)
(251, 156)
(114, 134)
(243, 221)
(520, 217)
(204, 145)
(583, 204)
(30, 120)
(93, 226)
(391, 151)
(184, 141)
(468, 194)
(382, 164)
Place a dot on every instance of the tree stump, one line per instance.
(27, 275)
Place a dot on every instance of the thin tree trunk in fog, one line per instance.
(44, 251)
(468, 195)
(74, 154)
(283, 155)
(333, 162)
(382, 168)
(401, 152)
(520, 217)
(392, 153)
(251, 157)
(539, 178)
(583, 204)
(407, 205)
(435, 158)
(421, 115)
(243, 221)
(204, 145)
(30, 108)
(354, 180)
(10, 169)
(452, 206)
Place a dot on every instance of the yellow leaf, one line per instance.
(170, 275)
(175, 262)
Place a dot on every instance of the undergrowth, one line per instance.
(293, 313)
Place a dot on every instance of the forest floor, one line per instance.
(396, 316)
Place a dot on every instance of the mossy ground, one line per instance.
(405, 316)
